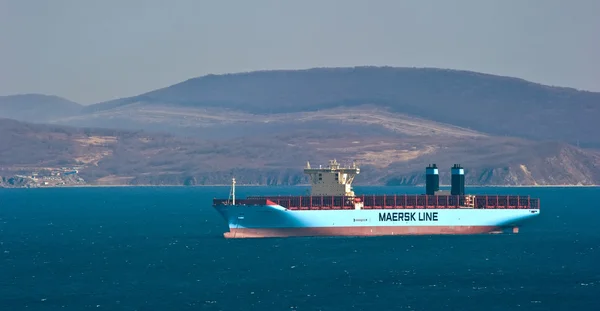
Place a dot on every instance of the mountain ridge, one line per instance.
(492, 104)
(261, 126)
(37, 107)
(461, 98)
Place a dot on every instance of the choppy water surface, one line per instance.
(162, 249)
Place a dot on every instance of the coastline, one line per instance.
(299, 185)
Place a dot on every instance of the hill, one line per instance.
(495, 105)
(108, 156)
(264, 126)
(37, 107)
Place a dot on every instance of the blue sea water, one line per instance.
(153, 248)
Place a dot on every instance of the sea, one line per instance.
(162, 248)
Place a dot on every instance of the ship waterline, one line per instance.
(358, 231)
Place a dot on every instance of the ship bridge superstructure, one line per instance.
(332, 180)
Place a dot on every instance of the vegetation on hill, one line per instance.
(106, 156)
(263, 126)
(486, 103)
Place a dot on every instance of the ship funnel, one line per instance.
(432, 180)
(458, 180)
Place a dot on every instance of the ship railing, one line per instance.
(247, 201)
(404, 202)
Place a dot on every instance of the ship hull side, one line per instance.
(276, 221)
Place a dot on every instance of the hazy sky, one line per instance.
(92, 51)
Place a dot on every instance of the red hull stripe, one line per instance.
(357, 231)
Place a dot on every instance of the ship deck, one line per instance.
(391, 202)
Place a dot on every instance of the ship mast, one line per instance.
(232, 194)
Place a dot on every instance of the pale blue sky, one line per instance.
(92, 51)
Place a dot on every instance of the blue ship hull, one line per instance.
(264, 220)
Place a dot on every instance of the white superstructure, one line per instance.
(332, 180)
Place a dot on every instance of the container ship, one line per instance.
(333, 209)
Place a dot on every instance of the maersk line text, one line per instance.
(409, 216)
